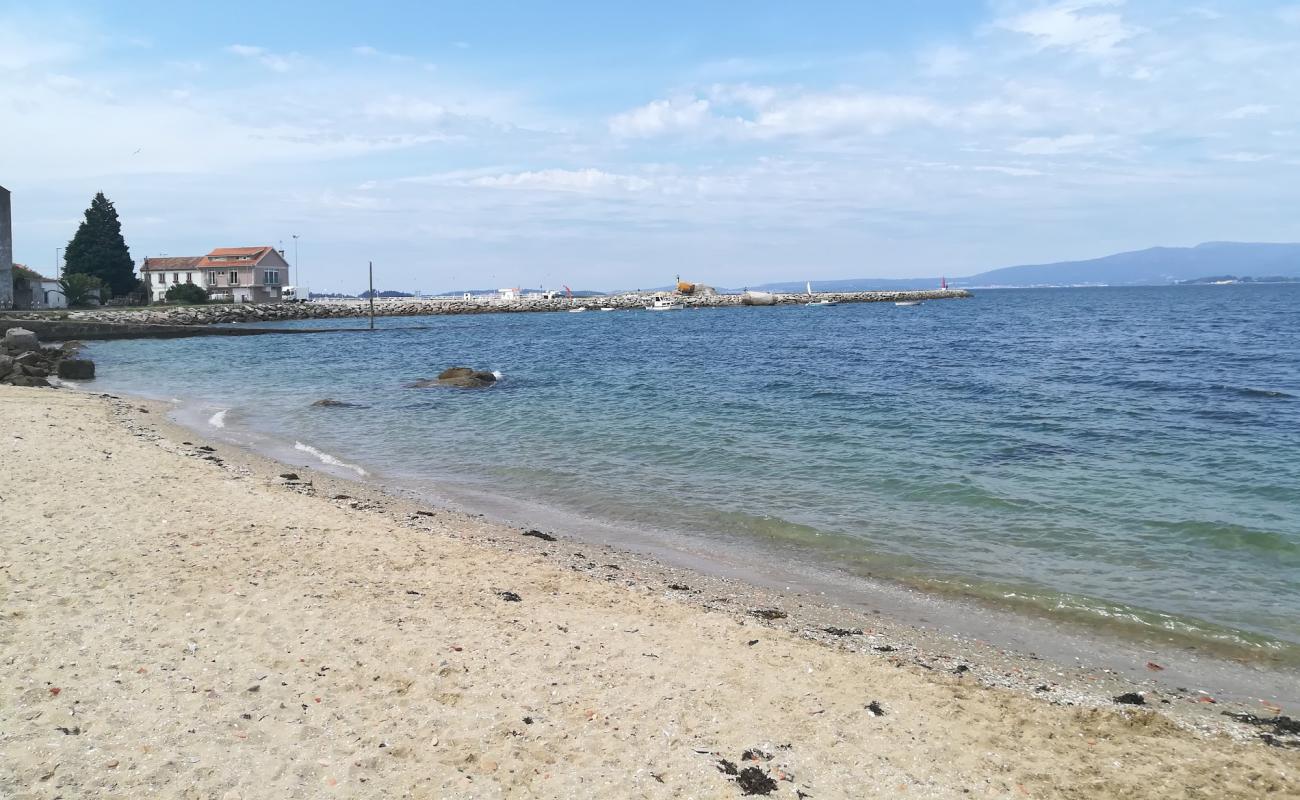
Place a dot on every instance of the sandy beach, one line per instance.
(185, 622)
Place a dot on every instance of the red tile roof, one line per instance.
(235, 256)
(171, 263)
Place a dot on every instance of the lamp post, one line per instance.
(297, 275)
(58, 265)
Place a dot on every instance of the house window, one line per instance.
(176, 277)
(212, 277)
(271, 277)
(234, 277)
(189, 277)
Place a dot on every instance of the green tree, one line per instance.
(99, 250)
(186, 293)
(79, 288)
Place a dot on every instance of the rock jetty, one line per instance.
(414, 307)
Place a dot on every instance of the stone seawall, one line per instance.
(412, 307)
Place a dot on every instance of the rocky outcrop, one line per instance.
(459, 378)
(327, 402)
(23, 362)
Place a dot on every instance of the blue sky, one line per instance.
(615, 145)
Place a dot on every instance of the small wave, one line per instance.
(218, 420)
(326, 458)
(1246, 391)
(498, 374)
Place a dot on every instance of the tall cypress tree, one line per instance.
(98, 248)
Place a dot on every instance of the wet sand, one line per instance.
(182, 622)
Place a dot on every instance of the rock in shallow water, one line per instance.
(77, 369)
(460, 378)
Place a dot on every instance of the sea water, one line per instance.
(1123, 457)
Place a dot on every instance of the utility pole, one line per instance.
(372, 295)
(297, 274)
(58, 265)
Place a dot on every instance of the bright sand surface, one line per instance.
(175, 623)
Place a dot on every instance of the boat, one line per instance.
(662, 303)
(577, 310)
(907, 303)
(755, 298)
(808, 286)
(608, 308)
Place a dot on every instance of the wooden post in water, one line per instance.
(372, 295)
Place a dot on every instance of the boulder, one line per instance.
(6, 365)
(20, 340)
(459, 378)
(27, 380)
(77, 369)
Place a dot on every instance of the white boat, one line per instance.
(577, 310)
(662, 303)
(908, 303)
(608, 308)
(808, 286)
(756, 298)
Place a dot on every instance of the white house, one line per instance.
(227, 274)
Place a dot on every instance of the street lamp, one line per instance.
(58, 265)
(297, 276)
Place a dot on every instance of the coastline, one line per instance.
(82, 323)
(646, 682)
(930, 618)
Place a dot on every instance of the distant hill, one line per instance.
(1153, 266)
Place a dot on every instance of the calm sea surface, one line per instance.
(1125, 457)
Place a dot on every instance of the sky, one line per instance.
(617, 145)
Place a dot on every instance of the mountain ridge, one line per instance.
(1152, 266)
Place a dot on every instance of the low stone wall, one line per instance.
(411, 307)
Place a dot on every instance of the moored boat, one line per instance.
(662, 303)
(811, 302)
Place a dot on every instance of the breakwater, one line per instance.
(415, 307)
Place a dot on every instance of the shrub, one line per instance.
(81, 289)
(187, 293)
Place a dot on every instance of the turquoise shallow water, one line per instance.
(1125, 457)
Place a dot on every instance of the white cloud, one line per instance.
(766, 113)
(944, 61)
(25, 46)
(849, 112)
(1074, 25)
(1243, 157)
(1015, 172)
(262, 56)
(406, 108)
(660, 117)
(1252, 110)
(1059, 145)
(366, 51)
(564, 180)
